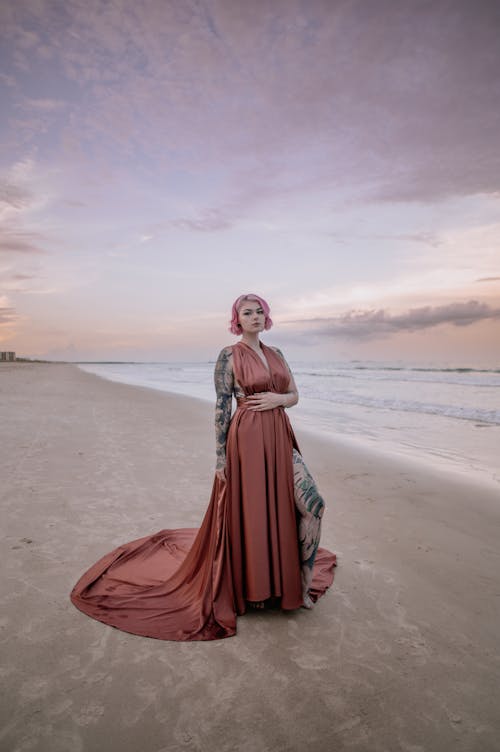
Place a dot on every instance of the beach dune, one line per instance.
(402, 653)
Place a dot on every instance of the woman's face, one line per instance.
(251, 316)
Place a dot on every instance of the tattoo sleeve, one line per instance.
(224, 381)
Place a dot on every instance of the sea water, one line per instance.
(447, 417)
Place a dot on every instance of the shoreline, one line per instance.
(454, 469)
(399, 654)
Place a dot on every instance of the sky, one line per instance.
(340, 158)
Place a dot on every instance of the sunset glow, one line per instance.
(339, 159)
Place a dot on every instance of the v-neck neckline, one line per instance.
(266, 363)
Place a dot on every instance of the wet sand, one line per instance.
(401, 654)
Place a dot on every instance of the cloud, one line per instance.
(74, 203)
(20, 190)
(41, 291)
(377, 324)
(383, 100)
(208, 220)
(488, 279)
(7, 315)
(424, 238)
(22, 193)
(43, 104)
(13, 198)
(7, 80)
(19, 283)
(17, 241)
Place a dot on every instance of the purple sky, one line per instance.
(342, 159)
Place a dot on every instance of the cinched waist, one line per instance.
(244, 403)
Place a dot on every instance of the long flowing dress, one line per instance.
(257, 541)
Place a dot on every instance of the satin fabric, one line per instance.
(190, 584)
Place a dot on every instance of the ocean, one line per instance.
(444, 417)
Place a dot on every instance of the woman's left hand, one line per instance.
(265, 401)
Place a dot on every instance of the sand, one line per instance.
(401, 654)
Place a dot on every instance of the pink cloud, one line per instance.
(14, 196)
(12, 241)
(7, 316)
(373, 324)
(381, 98)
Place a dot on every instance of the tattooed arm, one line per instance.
(224, 381)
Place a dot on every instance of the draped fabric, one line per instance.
(190, 584)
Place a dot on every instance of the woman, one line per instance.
(263, 503)
(259, 538)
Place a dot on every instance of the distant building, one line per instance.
(7, 356)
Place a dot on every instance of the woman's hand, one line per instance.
(265, 401)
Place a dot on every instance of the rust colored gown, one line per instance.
(190, 583)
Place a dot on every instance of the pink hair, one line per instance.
(235, 326)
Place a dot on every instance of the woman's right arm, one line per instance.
(224, 381)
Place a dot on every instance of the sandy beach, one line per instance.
(403, 652)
